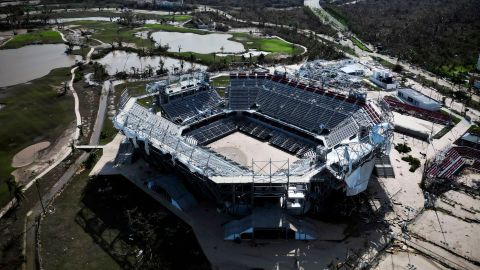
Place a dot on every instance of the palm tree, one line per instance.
(16, 191)
(161, 64)
(182, 64)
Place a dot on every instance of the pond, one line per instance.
(190, 42)
(101, 19)
(124, 61)
(31, 62)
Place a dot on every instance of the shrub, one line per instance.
(413, 162)
(403, 148)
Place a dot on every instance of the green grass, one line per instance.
(109, 32)
(327, 17)
(65, 243)
(455, 119)
(273, 45)
(454, 70)
(145, 102)
(474, 130)
(359, 44)
(447, 128)
(33, 113)
(221, 81)
(38, 36)
(276, 45)
(135, 88)
(345, 49)
(337, 15)
(384, 62)
(108, 132)
(177, 18)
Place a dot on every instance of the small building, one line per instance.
(168, 4)
(417, 99)
(353, 69)
(384, 79)
(470, 139)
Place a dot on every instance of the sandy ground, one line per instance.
(449, 232)
(460, 205)
(404, 260)
(470, 179)
(28, 155)
(45, 158)
(242, 149)
(404, 190)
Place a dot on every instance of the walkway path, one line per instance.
(66, 151)
(30, 246)
(102, 108)
(448, 139)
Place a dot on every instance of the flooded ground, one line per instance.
(117, 61)
(32, 62)
(189, 42)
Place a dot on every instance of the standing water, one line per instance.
(118, 61)
(189, 42)
(31, 62)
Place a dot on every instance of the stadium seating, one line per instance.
(193, 107)
(213, 131)
(341, 132)
(281, 139)
(452, 161)
(401, 107)
(243, 93)
(295, 103)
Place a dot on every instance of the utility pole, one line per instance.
(39, 196)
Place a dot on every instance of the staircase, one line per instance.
(383, 167)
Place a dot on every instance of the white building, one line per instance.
(384, 79)
(417, 99)
(353, 69)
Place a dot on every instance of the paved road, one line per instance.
(102, 108)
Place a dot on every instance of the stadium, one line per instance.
(267, 152)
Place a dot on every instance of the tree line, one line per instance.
(442, 36)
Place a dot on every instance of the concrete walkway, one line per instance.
(448, 139)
